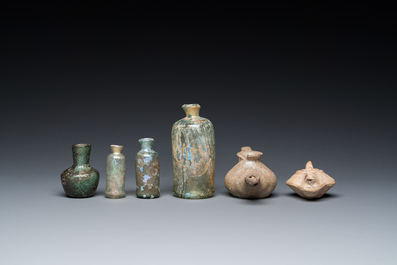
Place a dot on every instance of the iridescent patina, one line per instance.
(115, 173)
(80, 180)
(193, 155)
(147, 171)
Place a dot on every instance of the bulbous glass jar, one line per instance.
(193, 155)
(80, 180)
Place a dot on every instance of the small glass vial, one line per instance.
(115, 173)
(147, 171)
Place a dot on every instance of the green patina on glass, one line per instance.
(115, 173)
(147, 171)
(80, 180)
(193, 155)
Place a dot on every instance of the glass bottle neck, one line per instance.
(146, 144)
(116, 149)
(81, 155)
(191, 110)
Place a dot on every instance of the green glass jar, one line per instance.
(193, 155)
(80, 180)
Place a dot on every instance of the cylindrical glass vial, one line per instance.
(115, 173)
(147, 171)
(193, 155)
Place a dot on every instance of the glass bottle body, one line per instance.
(115, 173)
(193, 155)
(80, 180)
(147, 171)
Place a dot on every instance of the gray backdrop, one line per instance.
(296, 84)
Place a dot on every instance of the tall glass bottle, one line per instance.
(80, 180)
(193, 155)
(115, 173)
(147, 171)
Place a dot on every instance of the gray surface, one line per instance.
(297, 89)
(354, 224)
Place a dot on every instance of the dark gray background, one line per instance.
(296, 82)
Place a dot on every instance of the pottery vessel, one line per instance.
(147, 171)
(250, 178)
(80, 180)
(115, 173)
(193, 155)
(310, 183)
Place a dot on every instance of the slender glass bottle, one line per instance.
(193, 155)
(115, 173)
(147, 171)
(80, 180)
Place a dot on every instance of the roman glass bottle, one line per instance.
(80, 180)
(115, 173)
(147, 171)
(193, 155)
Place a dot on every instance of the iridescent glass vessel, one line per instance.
(193, 155)
(147, 171)
(115, 173)
(80, 180)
